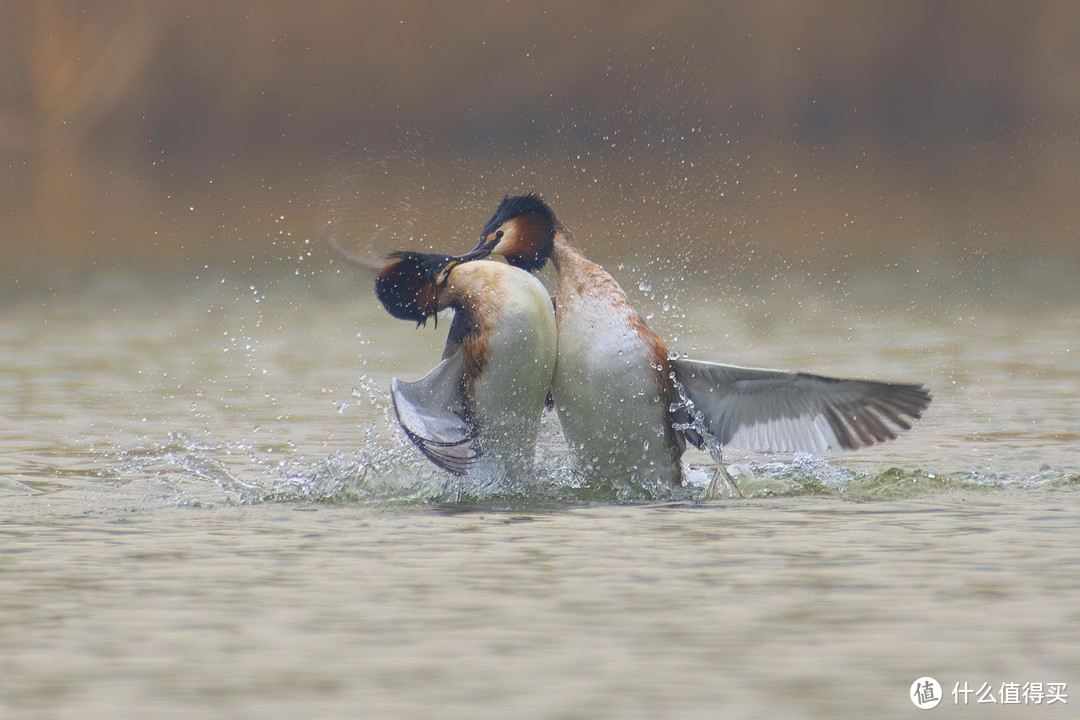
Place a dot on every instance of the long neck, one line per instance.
(564, 254)
(580, 276)
(584, 283)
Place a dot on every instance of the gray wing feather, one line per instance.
(777, 411)
(433, 414)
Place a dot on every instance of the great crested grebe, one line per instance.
(627, 407)
(480, 407)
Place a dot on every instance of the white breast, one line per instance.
(508, 396)
(607, 394)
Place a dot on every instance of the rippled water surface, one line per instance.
(206, 513)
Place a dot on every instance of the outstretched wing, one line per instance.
(433, 415)
(776, 411)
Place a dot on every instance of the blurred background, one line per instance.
(146, 137)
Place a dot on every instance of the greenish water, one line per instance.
(204, 511)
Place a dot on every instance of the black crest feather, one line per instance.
(408, 288)
(513, 206)
(538, 236)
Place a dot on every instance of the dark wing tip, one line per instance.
(455, 458)
(777, 411)
(434, 418)
(886, 410)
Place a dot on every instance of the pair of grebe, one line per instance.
(626, 405)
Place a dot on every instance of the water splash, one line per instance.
(190, 470)
(182, 471)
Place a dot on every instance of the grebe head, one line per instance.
(409, 286)
(522, 230)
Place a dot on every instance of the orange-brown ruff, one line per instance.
(475, 326)
(627, 407)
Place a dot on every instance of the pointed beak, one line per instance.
(482, 250)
